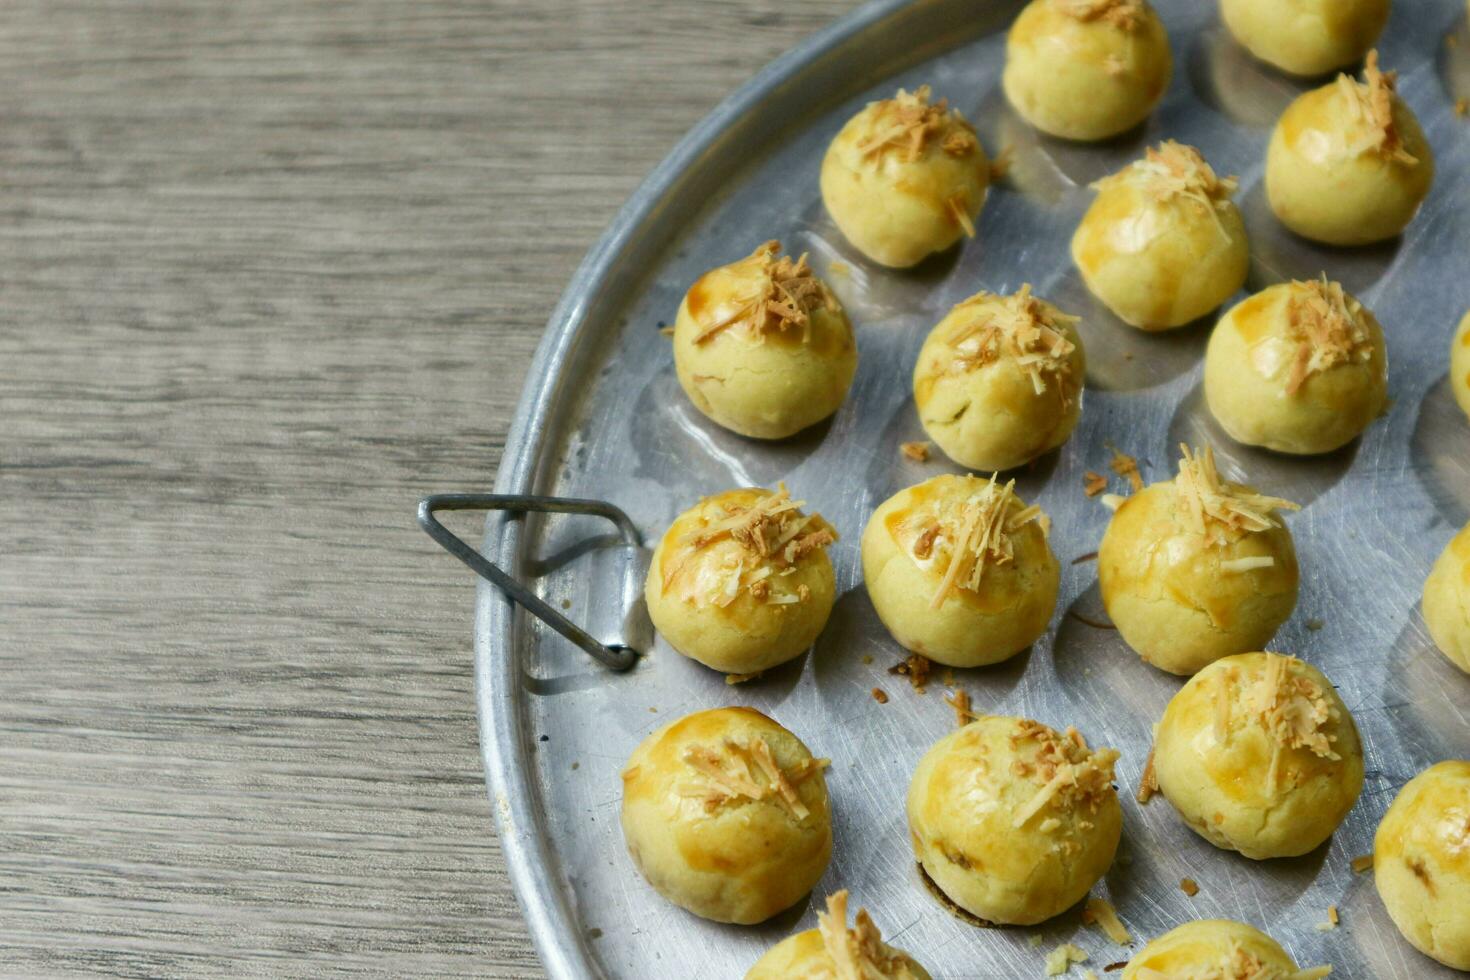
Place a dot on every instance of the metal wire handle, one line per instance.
(617, 657)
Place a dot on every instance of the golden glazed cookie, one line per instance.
(741, 582)
(1013, 821)
(1348, 163)
(905, 178)
(1259, 755)
(1299, 368)
(1195, 569)
(999, 380)
(959, 570)
(1163, 244)
(1460, 365)
(1447, 601)
(834, 952)
(1306, 37)
(725, 813)
(762, 347)
(1086, 69)
(1421, 862)
(1218, 949)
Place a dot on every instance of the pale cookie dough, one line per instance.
(834, 952)
(1217, 949)
(725, 813)
(1306, 37)
(1447, 601)
(741, 581)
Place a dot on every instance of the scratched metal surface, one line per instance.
(603, 416)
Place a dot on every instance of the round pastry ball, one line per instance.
(1163, 244)
(741, 581)
(1460, 365)
(817, 953)
(959, 570)
(1086, 69)
(1447, 601)
(1013, 821)
(1259, 755)
(1195, 569)
(1299, 368)
(905, 178)
(1421, 862)
(725, 813)
(999, 380)
(762, 347)
(1348, 163)
(1211, 948)
(1306, 37)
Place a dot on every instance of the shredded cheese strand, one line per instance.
(1021, 327)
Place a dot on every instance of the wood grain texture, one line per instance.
(269, 271)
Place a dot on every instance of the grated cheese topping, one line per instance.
(968, 536)
(1071, 775)
(786, 296)
(772, 537)
(746, 769)
(1327, 327)
(858, 953)
(1173, 171)
(1127, 15)
(910, 123)
(1127, 467)
(1101, 911)
(1293, 710)
(1060, 960)
(1222, 512)
(1370, 103)
(1021, 327)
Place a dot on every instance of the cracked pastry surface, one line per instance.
(1306, 37)
(1299, 368)
(762, 347)
(1014, 821)
(741, 581)
(1348, 163)
(1258, 754)
(1086, 69)
(833, 951)
(1216, 949)
(1421, 862)
(905, 178)
(1460, 365)
(1197, 568)
(999, 380)
(1163, 243)
(1447, 601)
(959, 570)
(725, 813)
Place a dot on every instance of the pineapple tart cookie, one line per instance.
(762, 347)
(741, 581)
(1086, 69)
(1259, 755)
(832, 951)
(1348, 163)
(905, 178)
(1013, 821)
(1298, 368)
(1163, 244)
(1460, 365)
(1306, 37)
(1421, 862)
(959, 570)
(1216, 949)
(725, 813)
(1194, 569)
(999, 380)
(1447, 601)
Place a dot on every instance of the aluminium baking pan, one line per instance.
(602, 417)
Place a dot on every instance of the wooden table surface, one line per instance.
(270, 270)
